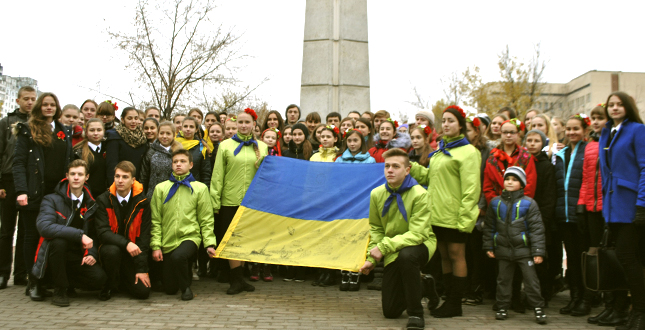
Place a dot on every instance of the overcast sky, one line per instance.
(64, 44)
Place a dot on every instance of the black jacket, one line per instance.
(201, 170)
(294, 151)
(8, 140)
(29, 163)
(513, 228)
(137, 224)
(568, 183)
(117, 150)
(545, 191)
(56, 215)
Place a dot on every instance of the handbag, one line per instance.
(603, 271)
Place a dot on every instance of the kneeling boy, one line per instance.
(400, 233)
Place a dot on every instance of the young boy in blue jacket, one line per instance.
(514, 235)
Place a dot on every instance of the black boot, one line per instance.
(330, 280)
(608, 298)
(583, 307)
(620, 312)
(237, 282)
(635, 321)
(322, 277)
(60, 297)
(574, 293)
(187, 294)
(452, 306)
(447, 286)
(36, 291)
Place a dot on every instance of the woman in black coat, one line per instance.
(125, 142)
(41, 141)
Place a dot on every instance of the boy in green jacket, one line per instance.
(400, 234)
(182, 216)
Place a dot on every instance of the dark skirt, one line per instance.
(449, 235)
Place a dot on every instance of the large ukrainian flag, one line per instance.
(304, 214)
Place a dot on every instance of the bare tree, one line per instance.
(176, 47)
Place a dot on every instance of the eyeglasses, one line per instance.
(508, 133)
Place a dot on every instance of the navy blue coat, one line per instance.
(622, 164)
(568, 182)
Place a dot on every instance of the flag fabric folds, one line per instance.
(304, 213)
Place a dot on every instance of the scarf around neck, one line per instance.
(408, 183)
(459, 142)
(244, 140)
(184, 180)
(134, 138)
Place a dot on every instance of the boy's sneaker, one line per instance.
(354, 281)
(255, 273)
(416, 323)
(540, 316)
(344, 280)
(473, 299)
(502, 314)
(429, 288)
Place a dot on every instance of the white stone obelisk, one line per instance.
(335, 62)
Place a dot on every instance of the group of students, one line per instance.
(512, 190)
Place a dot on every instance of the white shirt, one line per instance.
(167, 148)
(126, 198)
(53, 125)
(615, 129)
(78, 199)
(93, 146)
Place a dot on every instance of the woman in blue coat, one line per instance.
(622, 163)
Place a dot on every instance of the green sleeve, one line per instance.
(205, 218)
(418, 227)
(217, 179)
(156, 205)
(377, 232)
(420, 173)
(469, 173)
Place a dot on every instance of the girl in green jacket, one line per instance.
(237, 161)
(453, 180)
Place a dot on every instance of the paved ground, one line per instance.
(277, 305)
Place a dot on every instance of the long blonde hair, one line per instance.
(176, 145)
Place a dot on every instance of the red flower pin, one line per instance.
(83, 210)
(61, 135)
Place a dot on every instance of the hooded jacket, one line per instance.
(400, 140)
(591, 189)
(622, 162)
(56, 215)
(347, 157)
(232, 175)
(118, 150)
(568, 179)
(513, 228)
(156, 167)
(391, 232)
(187, 216)
(29, 163)
(327, 155)
(8, 140)
(453, 186)
(136, 226)
(201, 170)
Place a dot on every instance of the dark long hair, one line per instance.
(40, 129)
(347, 135)
(631, 111)
(427, 148)
(370, 136)
(280, 121)
(460, 119)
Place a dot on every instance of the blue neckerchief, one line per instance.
(408, 183)
(454, 144)
(186, 182)
(242, 143)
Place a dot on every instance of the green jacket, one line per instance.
(453, 185)
(186, 216)
(391, 232)
(232, 174)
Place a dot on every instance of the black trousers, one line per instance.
(475, 261)
(222, 221)
(119, 267)
(574, 244)
(64, 263)
(177, 267)
(401, 288)
(32, 237)
(8, 223)
(630, 253)
(505, 279)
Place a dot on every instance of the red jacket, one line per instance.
(497, 164)
(591, 189)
